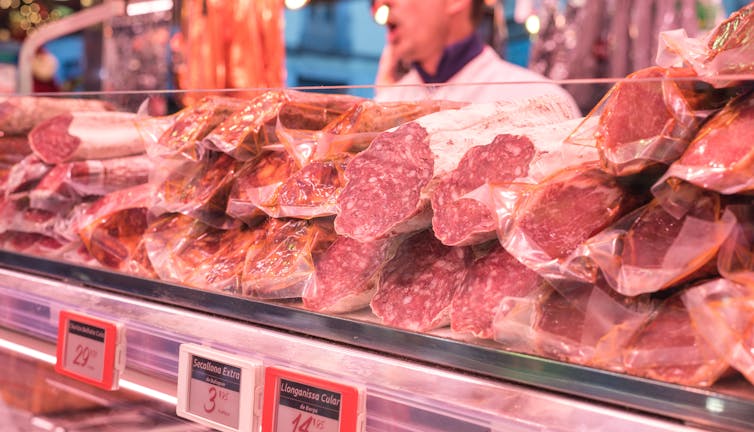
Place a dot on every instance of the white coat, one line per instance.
(486, 78)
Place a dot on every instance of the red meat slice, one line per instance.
(668, 349)
(489, 280)
(417, 286)
(346, 275)
(458, 221)
(256, 185)
(384, 185)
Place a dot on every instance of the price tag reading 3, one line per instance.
(90, 350)
(215, 391)
(218, 389)
(299, 403)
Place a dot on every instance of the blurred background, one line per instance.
(208, 44)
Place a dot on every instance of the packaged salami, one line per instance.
(353, 130)
(347, 274)
(721, 311)
(388, 186)
(179, 135)
(248, 132)
(112, 229)
(720, 157)
(650, 249)
(544, 224)
(727, 50)
(281, 263)
(629, 139)
(572, 321)
(86, 135)
(256, 185)
(199, 189)
(670, 348)
(19, 114)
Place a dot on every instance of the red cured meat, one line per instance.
(177, 245)
(14, 145)
(388, 186)
(489, 280)
(461, 221)
(192, 124)
(19, 114)
(417, 286)
(621, 123)
(312, 191)
(25, 174)
(256, 185)
(200, 190)
(374, 197)
(223, 270)
(720, 157)
(86, 135)
(668, 349)
(725, 140)
(112, 228)
(346, 275)
(564, 211)
(49, 144)
(280, 265)
(630, 140)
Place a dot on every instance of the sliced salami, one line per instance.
(86, 135)
(417, 286)
(389, 184)
(346, 275)
(528, 156)
(489, 280)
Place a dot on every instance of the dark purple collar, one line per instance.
(454, 58)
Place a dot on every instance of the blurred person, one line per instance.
(44, 66)
(435, 42)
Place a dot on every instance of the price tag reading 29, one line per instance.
(218, 389)
(90, 349)
(295, 402)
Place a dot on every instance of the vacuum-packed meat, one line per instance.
(526, 156)
(347, 274)
(86, 135)
(389, 184)
(418, 284)
(489, 280)
(19, 114)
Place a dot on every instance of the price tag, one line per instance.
(295, 402)
(90, 349)
(219, 390)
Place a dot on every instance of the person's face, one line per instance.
(416, 29)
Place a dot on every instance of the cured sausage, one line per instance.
(347, 274)
(19, 114)
(86, 135)
(389, 184)
(418, 284)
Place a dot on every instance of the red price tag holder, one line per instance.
(296, 402)
(90, 349)
(219, 390)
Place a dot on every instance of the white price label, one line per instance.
(218, 389)
(90, 349)
(295, 402)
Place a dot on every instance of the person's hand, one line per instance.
(390, 68)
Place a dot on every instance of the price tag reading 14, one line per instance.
(90, 349)
(299, 403)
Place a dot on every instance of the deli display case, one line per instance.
(296, 259)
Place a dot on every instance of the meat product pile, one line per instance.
(609, 241)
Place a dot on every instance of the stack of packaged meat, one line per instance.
(621, 240)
